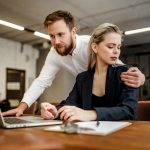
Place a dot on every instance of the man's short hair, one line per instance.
(60, 15)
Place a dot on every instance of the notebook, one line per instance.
(25, 121)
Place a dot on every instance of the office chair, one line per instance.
(143, 110)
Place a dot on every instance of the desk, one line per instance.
(133, 137)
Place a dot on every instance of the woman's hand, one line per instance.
(48, 111)
(73, 113)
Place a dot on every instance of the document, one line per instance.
(93, 127)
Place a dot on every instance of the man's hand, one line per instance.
(48, 111)
(73, 113)
(133, 77)
(17, 111)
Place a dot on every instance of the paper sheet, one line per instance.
(104, 128)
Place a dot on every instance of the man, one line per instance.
(69, 51)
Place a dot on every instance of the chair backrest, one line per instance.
(143, 110)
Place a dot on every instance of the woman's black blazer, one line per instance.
(121, 100)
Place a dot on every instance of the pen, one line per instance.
(97, 123)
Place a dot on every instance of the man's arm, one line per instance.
(48, 72)
(133, 77)
(47, 75)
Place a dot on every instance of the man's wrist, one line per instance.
(23, 106)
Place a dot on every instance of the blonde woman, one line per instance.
(99, 93)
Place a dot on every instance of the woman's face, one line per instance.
(108, 50)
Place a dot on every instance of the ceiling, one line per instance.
(128, 14)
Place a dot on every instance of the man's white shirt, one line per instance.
(75, 63)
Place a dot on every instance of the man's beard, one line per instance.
(67, 50)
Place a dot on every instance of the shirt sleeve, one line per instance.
(119, 62)
(45, 79)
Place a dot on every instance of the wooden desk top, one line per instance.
(133, 137)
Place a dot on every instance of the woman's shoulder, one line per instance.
(84, 75)
(120, 68)
(116, 70)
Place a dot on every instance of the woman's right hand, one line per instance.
(48, 111)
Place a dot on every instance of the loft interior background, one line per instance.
(127, 14)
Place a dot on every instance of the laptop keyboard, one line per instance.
(15, 120)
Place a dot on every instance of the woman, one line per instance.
(99, 93)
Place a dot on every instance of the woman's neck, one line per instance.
(101, 68)
(99, 81)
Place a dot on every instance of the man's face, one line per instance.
(61, 37)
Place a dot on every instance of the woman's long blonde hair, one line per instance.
(97, 37)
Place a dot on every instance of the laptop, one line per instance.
(25, 121)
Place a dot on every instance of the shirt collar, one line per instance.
(77, 48)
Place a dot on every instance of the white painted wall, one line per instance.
(13, 56)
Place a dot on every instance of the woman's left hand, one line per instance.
(73, 113)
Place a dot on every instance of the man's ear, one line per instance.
(74, 30)
(94, 47)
